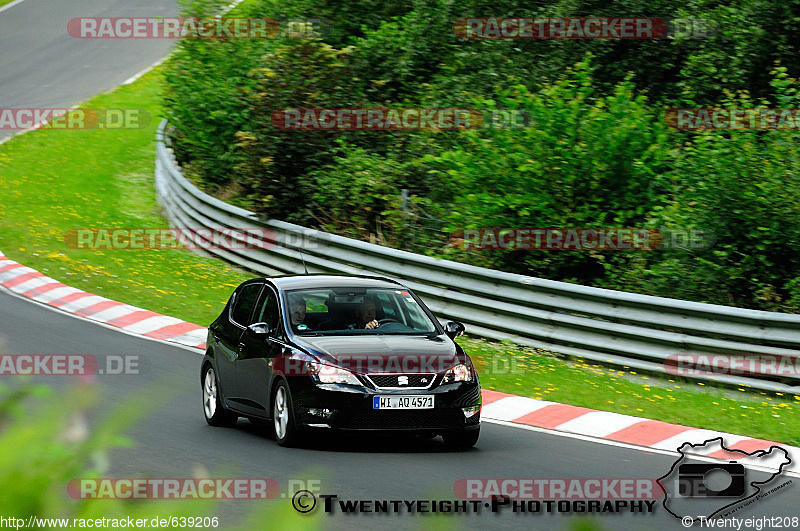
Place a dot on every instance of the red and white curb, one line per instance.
(36, 286)
(498, 406)
(625, 429)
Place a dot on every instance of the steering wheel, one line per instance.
(387, 320)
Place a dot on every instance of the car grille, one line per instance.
(399, 419)
(390, 381)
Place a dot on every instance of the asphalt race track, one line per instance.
(41, 66)
(175, 441)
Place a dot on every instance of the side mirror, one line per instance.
(258, 331)
(453, 329)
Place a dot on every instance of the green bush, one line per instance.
(358, 196)
(274, 162)
(205, 98)
(598, 153)
(585, 161)
(743, 188)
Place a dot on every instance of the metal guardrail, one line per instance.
(610, 327)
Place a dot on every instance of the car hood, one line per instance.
(384, 353)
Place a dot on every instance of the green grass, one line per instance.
(57, 180)
(54, 180)
(4, 2)
(579, 382)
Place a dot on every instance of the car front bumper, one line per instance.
(345, 408)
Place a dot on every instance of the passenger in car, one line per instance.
(297, 312)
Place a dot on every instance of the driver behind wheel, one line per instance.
(366, 316)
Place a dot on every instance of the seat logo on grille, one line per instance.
(402, 380)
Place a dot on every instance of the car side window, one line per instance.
(268, 311)
(244, 303)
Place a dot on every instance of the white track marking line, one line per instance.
(114, 313)
(83, 303)
(9, 6)
(151, 324)
(55, 294)
(10, 274)
(599, 423)
(513, 407)
(32, 284)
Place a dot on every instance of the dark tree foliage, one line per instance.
(597, 151)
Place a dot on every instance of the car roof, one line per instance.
(290, 282)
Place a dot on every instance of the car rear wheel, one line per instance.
(462, 440)
(215, 413)
(283, 416)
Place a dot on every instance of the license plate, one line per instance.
(403, 402)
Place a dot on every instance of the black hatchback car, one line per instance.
(345, 353)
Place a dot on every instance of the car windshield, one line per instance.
(356, 311)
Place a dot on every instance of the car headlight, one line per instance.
(459, 373)
(329, 374)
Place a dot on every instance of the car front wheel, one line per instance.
(216, 414)
(283, 416)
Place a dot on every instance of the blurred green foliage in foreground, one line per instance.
(46, 441)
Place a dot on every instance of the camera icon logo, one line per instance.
(711, 480)
(730, 477)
